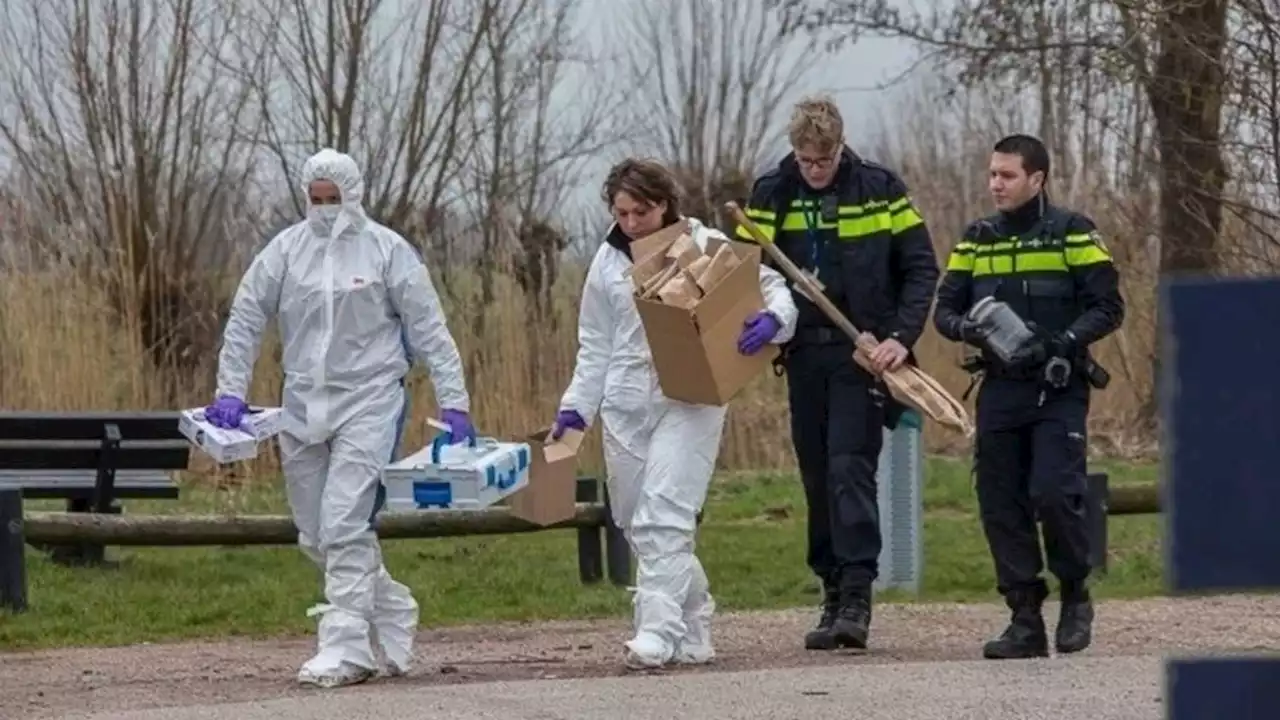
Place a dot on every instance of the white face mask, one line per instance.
(322, 218)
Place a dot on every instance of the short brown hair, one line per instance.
(816, 121)
(646, 180)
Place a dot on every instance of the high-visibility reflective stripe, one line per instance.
(906, 219)
(853, 222)
(857, 221)
(1005, 257)
(1083, 249)
(847, 228)
(766, 228)
(1051, 261)
(858, 228)
(961, 259)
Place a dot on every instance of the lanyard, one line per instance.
(812, 218)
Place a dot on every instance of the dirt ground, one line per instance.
(51, 683)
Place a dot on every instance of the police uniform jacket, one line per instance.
(1048, 263)
(861, 236)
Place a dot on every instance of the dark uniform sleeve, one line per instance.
(1096, 280)
(915, 263)
(955, 294)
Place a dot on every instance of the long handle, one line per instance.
(801, 278)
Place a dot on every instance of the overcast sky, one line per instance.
(848, 75)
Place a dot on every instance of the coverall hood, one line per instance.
(340, 169)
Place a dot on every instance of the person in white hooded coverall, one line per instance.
(660, 453)
(354, 303)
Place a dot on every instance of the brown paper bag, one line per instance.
(699, 266)
(655, 283)
(643, 271)
(722, 263)
(684, 251)
(681, 291)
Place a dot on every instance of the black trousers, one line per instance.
(836, 429)
(1030, 462)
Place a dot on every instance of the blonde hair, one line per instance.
(816, 121)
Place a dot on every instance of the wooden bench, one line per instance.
(90, 459)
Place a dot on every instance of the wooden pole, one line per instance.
(799, 277)
(909, 385)
(195, 530)
(54, 528)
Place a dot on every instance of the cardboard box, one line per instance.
(695, 349)
(227, 446)
(551, 495)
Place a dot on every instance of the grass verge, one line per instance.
(752, 543)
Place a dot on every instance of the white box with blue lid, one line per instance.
(456, 477)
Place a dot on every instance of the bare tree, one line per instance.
(537, 114)
(389, 83)
(1175, 52)
(127, 123)
(1252, 137)
(710, 80)
(1167, 63)
(565, 123)
(532, 138)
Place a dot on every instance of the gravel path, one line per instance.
(1128, 634)
(1121, 688)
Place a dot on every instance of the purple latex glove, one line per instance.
(460, 427)
(226, 412)
(567, 420)
(757, 331)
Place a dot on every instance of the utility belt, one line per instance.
(831, 337)
(820, 335)
(1052, 373)
(808, 335)
(811, 335)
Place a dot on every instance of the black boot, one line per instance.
(1075, 621)
(1026, 636)
(821, 637)
(853, 621)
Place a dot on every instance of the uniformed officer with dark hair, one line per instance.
(1032, 287)
(849, 224)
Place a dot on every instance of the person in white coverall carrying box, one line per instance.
(355, 304)
(660, 453)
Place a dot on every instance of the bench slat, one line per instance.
(62, 478)
(83, 455)
(149, 492)
(56, 484)
(15, 425)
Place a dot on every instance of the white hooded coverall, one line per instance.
(354, 303)
(660, 453)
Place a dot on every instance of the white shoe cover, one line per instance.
(694, 646)
(647, 651)
(395, 622)
(345, 674)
